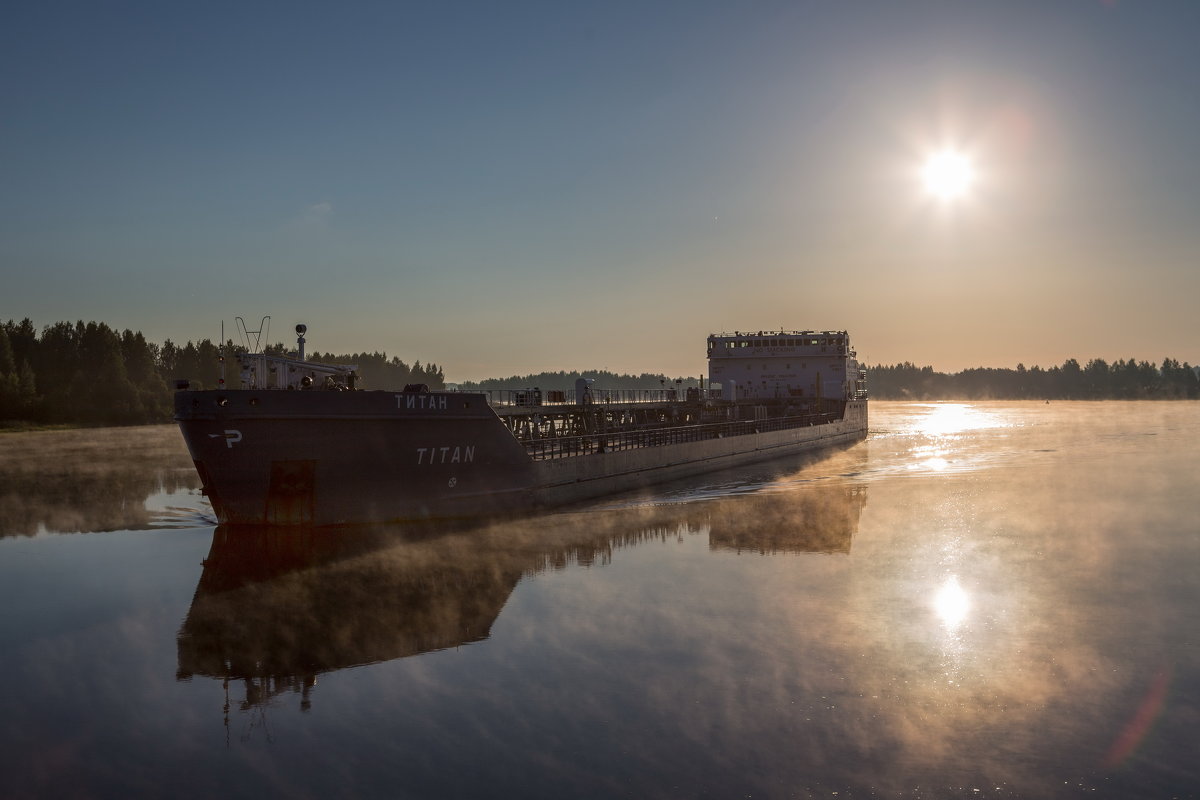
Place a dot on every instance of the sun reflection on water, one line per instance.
(930, 459)
(951, 603)
(944, 419)
(945, 437)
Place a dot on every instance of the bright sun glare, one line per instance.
(951, 603)
(947, 174)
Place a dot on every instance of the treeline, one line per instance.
(88, 373)
(565, 381)
(379, 372)
(1097, 380)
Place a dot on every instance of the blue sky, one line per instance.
(512, 187)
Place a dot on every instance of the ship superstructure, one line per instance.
(770, 365)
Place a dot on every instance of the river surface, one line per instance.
(980, 600)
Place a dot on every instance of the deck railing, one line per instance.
(609, 442)
(536, 398)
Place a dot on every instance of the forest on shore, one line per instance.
(1097, 380)
(89, 374)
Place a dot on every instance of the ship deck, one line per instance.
(515, 402)
(551, 425)
(614, 440)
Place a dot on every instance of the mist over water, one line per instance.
(986, 599)
(98, 479)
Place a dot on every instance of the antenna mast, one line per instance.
(221, 356)
(253, 339)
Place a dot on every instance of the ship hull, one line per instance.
(336, 458)
(571, 480)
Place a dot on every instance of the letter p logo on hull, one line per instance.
(231, 437)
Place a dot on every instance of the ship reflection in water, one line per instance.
(274, 609)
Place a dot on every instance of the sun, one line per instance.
(947, 175)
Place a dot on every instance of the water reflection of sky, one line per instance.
(1021, 627)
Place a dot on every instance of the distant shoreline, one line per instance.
(1095, 380)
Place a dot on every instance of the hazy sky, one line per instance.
(506, 187)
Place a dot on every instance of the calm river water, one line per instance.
(980, 600)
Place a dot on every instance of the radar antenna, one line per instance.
(253, 339)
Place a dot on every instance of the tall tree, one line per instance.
(9, 380)
(141, 367)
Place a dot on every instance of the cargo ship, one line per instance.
(301, 443)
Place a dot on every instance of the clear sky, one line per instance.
(510, 187)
